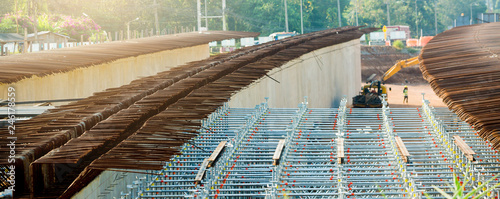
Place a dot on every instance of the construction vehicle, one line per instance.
(398, 66)
(371, 94)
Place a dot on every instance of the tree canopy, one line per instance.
(265, 16)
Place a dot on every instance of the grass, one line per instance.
(459, 189)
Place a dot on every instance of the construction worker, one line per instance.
(405, 92)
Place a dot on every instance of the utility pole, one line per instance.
(128, 27)
(416, 17)
(35, 25)
(224, 15)
(25, 45)
(32, 13)
(470, 14)
(198, 12)
(338, 11)
(17, 23)
(388, 14)
(435, 17)
(157, 25)
(286, 18)
(357, 24)
(301, 19)
(206, 14)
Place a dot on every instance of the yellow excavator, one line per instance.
(398, 66)
(371, 94)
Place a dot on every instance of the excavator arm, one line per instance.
(398, 66)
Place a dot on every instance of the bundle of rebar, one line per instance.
(463, 68)
(17, 67)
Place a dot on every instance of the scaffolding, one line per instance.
(302, 152)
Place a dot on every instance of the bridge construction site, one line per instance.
(162, 118)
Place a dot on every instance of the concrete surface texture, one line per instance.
(324, 75)
(82, 82)
(109, 184)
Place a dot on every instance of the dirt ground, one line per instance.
(378, 59)
(414, 96)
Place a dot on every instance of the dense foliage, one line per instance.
(264, 16)
(67, 25)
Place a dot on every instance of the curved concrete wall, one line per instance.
(109, 184)
(83, 82)
(324, 75)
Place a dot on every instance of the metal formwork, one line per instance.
(311, 165)
(429, 162)
(177, 178)
(248, 170)
(485, 164)
(371, 168)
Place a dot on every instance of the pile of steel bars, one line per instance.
(66, 59)
(463, 68)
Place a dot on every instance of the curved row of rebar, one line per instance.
(463, 67)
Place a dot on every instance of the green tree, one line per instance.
(7, 7)
(398, 44)
(418, 14)
(265, 16)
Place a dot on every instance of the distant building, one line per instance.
(9, 38)
(49, 37)
(462, 21)
(398, 29)
(376, 39)
(282, 35)
(488, 17)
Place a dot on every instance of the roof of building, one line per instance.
(47, 32)
(10, 37)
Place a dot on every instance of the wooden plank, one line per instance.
(464, 147)
(277, 153)
(216, 153)
(201, 172)
(340, 150)
(402, 149)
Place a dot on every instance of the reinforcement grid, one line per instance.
(372, 165)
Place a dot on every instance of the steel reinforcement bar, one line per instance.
(462, 67)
